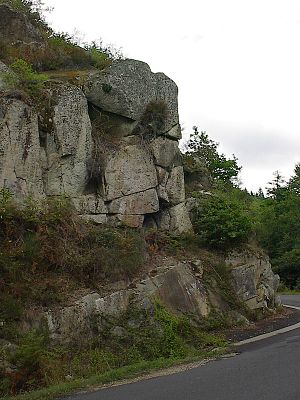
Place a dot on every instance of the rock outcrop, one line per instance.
(175, 285)
(180, 287)
(253, 279)
(111, 148)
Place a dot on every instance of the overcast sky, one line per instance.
(236, 63)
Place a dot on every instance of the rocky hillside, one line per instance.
(107, 141)
(110, 143)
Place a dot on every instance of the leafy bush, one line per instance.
(48, 238)
(221, 222)
(24, 78)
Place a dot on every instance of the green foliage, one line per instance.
(60, 50)
(141, 335)
(205, 150)
(47, 240)
(24, 78)
(221, 222)
(277, 224)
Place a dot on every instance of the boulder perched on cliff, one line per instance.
(128, 86)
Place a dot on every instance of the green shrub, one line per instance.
(221, 222)
(24, 78)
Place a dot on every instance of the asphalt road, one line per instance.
(265, 370)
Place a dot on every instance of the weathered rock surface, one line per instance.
(177, 288)
(69, 145)
(87, 147)
(253, 279)
(166, 153)
(175, 219)
(19, 149)
(3, 70)
(128, 86)
(174, 285)
(177, 285)
(138, 203)
(69, 322)
(130, 170)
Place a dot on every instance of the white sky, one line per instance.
(236, 63)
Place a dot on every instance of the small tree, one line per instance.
(221, 222)
(206, 150)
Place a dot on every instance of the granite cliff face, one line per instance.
(110, 146)
(109, 143)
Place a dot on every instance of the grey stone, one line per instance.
(3, 70)
(98, 219)
(138, 203)
(128, 86)
(166, 153)
(175, 186)
(177, 288)
(69, 146)
(90, 204)
(16, 28)
(253, 278)
(68, 322)
(130, 170)
(174, 133)
(20, 169)
(179, 219)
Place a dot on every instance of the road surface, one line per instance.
(265, 370)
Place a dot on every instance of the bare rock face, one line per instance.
(177, 288)
(130, 170)
(68, 146)
(3, 70)
(20, 169)
(253, 279)
(166, 153)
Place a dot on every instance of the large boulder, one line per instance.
(253, 279)
(174, 219)
(128, 86)
(68, 323)
(138, 203)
